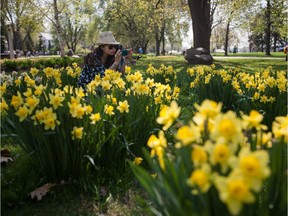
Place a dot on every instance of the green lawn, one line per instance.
(245, 65)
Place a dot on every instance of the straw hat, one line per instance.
(106, 38)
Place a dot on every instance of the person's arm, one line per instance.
(126, 61)
(116, 63)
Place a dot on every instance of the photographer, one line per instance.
(108, 55)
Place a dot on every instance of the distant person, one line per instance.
(285, 50)
(235, 49)
(140, 50)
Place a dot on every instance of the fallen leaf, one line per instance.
(41, 191)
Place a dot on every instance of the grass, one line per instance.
(245, 65)
(252, 54)
(18, 178)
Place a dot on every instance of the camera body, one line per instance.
(123, 51)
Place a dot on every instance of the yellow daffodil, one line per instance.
(38, 90)
(32, 102)
(34, 71)
(3, 105)
(50, 121)
(209, 108)
(280, 128)
(229, 127)
(2, 89)
(77, 133)
(49, 71)
(168, 115)
(234, 191)
(56, 100)
(200, 178)
(253, 120)
(88, 109)
(188, 134)
(22, 113)
(16, 100)
(95, 118)
(220, 153)
(123, 106)
(156, 143)
(198, 155)
(108, 109)
(106, 85)
(138, 160)
(38, 117)
(253, 166)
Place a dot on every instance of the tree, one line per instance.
(22, 21)
(201, 22)
(44, 7)
(233, 9)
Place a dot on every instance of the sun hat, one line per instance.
(106, 38)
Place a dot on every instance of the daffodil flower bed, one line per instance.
(265, 91)
(72, 134)
(218, 164)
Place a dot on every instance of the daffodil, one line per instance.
(56, 100)
(50, 121)
(106, 85)
(253, 120)
(3, 105)
(22, 113)
(280, 128)
(199, 155)
(32, 102)
(77, 133)
(253, 166)
(200, 179)
(234, 192)
(157, 146)
(38, 90)
(220, 152)
(209, 108)
(188, 134)
(229, 127)
(49, 71)
(108, 109)
(95, 118)
(34, 71)
(168, 115)
(156, 143)
(138, 160)
(3, 89)
(264, 139)
(123, 106)
(16, 100)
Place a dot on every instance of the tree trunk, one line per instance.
(275, 42)
(200, 14)
(59, 29)
(163, 38)
(227, 38)
(157, 43)
(268, 28)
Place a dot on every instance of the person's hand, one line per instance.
(118, 57)
(130, 52)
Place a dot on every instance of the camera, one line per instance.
(123, 51)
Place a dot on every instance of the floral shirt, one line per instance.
(89, 72)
